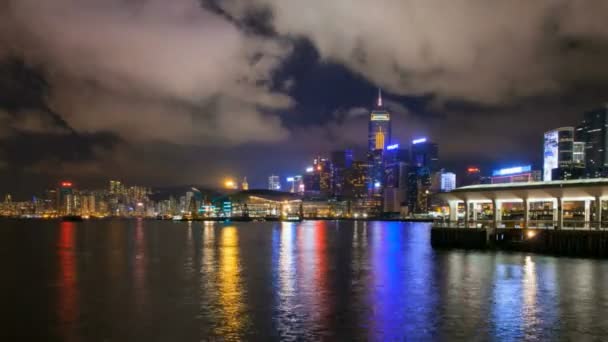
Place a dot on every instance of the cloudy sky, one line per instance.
(167, 92)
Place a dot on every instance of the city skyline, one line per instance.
(244, 89)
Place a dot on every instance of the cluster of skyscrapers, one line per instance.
(578, 152)
(392, 178)
(67, 200)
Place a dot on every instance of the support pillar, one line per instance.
(587, 214)
(497, 212)
(467, 205)
(475, 212)
(598, 212)
(560, 213)
(526, 206)
(453, 213)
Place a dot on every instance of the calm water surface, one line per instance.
(165, 281)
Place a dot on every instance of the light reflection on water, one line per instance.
(155, 281)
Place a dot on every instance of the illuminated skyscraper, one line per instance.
(245, 184)
(341, 160)
(379, 133)
(66, 198)
(274, 183)
(558, 150)
(593, 131)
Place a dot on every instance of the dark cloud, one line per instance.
(474, 50)
(168, 67)
(188, 91)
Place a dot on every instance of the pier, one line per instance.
(558, 217)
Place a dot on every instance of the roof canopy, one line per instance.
(568, 190)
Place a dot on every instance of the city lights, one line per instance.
(230, 184)
(419, 141)
(310, 169)
(512, 170)
(392, 147)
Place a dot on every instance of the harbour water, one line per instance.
(128, 280)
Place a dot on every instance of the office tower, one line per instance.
(594, 133)
(448, 181)
(50, 201)
(245, 184)
(115, 187)
(558, 151)
(379, 132)
(395, 178)
(323, 169)
(189, 199)
(425, 154)
(66, 198)
(473, 176)
(341, 160)
(356, 180)
(578, 153)
(274, 183)
(424, 162)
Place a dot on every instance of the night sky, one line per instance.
(162, 93)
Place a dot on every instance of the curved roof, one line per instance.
(269, 195)
(578, 188)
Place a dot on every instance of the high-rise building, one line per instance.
(274, 183)
(473, 176)
(66, 198)
(593, 131)
(323, 167)
(245, 184)
(558, 151)
(116, 187)
(396, 162)
(448, 182)
(357, 180)
(424, 163)
(341, 160)
(425, 154)
(379, 132)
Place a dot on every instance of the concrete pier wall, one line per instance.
(578, 243)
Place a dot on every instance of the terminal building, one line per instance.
(570, 204)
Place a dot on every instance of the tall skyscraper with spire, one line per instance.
(379, 137)
(379, 133)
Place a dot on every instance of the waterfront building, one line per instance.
(593, 131)
(570, 204)
(517, 174)
(274, 183)
(267, 204)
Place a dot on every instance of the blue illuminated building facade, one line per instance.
(516, 174)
